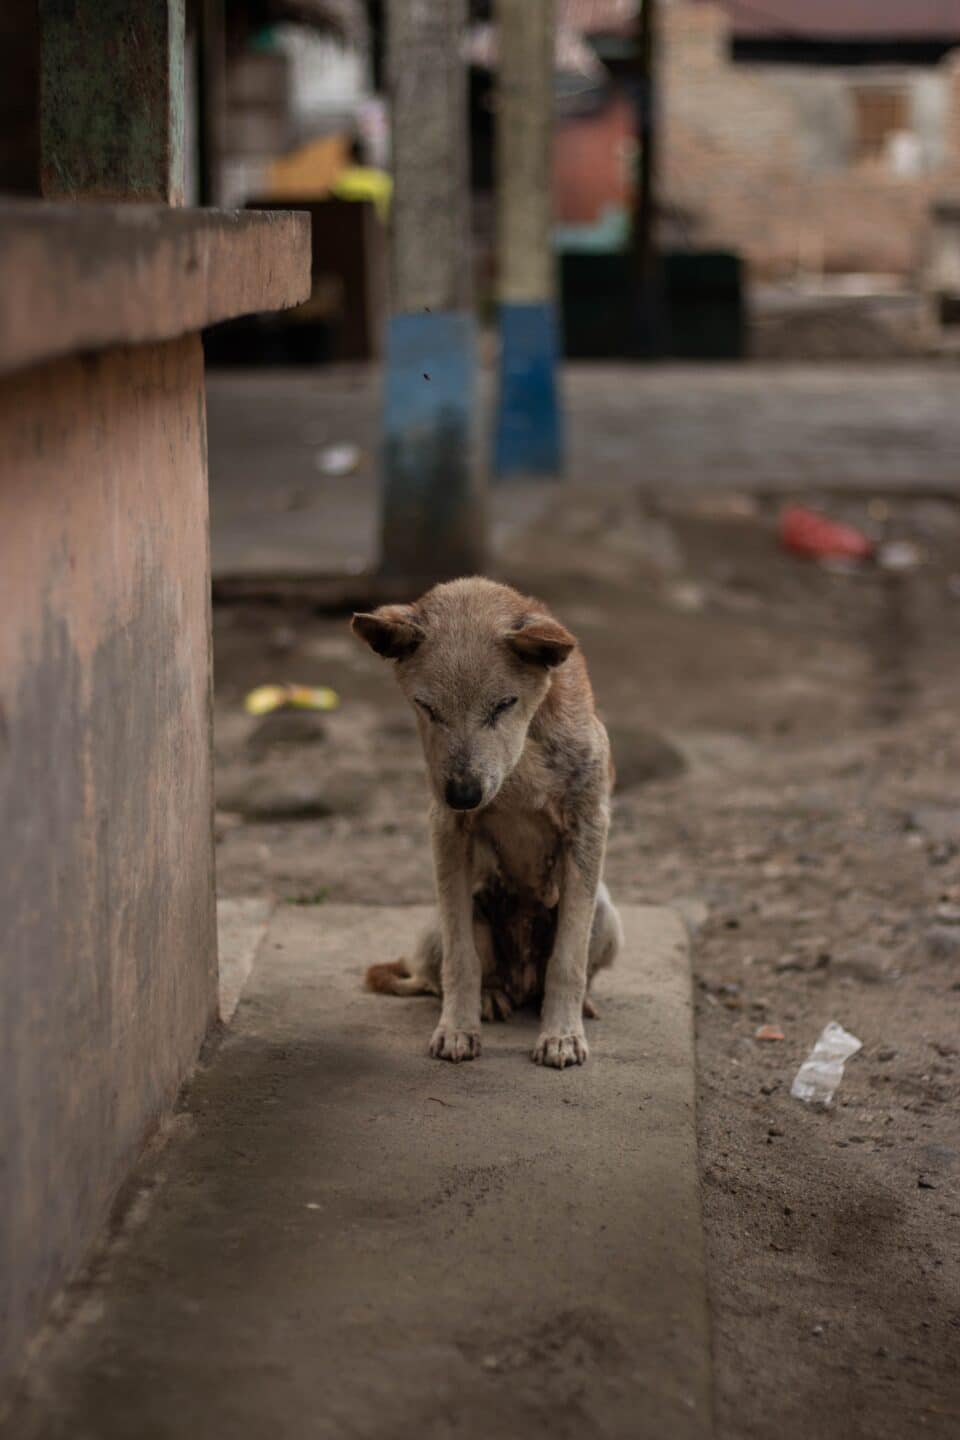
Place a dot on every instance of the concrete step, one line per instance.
(345, 1238)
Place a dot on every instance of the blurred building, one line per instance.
(295, 107)
(811, 135)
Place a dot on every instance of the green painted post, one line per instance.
(112, 99)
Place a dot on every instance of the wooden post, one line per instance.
(112, 98)
(650, 319)
(528, 431)
(432, 518)
(211, 83)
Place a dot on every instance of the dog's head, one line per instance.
(475, 661)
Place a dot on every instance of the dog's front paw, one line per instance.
(559, 1051)
(455, 1045)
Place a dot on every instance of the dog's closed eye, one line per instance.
(501, 707)
(428, 710)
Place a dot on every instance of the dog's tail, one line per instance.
(398, 979)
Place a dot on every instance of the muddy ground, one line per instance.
(787, 743)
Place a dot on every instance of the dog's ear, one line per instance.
(393, 631)
(541, 641)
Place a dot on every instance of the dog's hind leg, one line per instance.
(421, 976)
(495, 1004)
(606, 942)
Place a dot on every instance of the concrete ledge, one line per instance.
(87, 277)
(353, 1239)
(241, 926)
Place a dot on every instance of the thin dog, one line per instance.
(520, 777)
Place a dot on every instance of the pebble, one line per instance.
(871, 967)
(939, 1157)
(694, 912)
(886, 1055)
(899, 556)
(943, 942)
(939, 823)
(805, 964)
(686, 596)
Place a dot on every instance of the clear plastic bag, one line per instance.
(818, 1077)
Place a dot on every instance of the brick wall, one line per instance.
(757, 159)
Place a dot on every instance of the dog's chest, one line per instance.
(522, 847)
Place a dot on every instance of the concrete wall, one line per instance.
(108, 957)
(763, 157)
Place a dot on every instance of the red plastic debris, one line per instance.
(804, 532)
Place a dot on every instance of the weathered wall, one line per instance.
(108, 956)
(762, 157)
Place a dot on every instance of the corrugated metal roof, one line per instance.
(845, 19)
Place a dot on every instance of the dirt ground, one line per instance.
(786, 739)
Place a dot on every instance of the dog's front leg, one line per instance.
(562, 1040)
(457, 1037)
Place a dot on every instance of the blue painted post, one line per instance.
(432, 519)
(529, 429)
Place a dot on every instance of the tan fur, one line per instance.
(519, 769)
(396, 978)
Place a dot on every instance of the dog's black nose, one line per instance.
(464, 794)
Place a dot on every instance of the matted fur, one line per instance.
(520, 775)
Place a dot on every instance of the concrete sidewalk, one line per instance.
(658, 430)
(345, 1238)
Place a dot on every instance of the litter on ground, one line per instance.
(338, 459)
(820, 1074)
(266, 698)
(807, 533)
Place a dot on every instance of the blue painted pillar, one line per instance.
(432, 503)
(432, 516)
(529, 428)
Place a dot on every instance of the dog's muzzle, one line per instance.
(463, 793)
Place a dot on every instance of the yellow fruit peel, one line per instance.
(267, 698)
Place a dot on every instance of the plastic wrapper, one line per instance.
(818, 1077)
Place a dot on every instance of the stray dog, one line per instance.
(520, 774)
